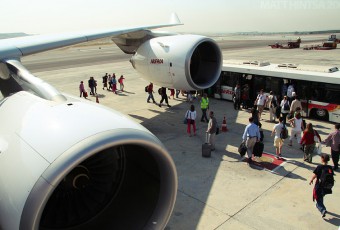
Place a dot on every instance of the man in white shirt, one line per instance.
(260, 102)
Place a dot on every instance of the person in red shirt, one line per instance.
(150, 92)
(172, 93)
(121, 83)
(309, 141)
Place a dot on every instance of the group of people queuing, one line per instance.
(288, 113)
(109, 82)
(291, 108)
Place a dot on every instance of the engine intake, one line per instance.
(107, 190)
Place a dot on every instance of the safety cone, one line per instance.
(97, 100)
(224, 125)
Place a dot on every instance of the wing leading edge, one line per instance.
(23, 46)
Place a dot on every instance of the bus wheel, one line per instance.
(321, 114)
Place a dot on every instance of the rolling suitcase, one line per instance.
(206, 148)
(258, 149)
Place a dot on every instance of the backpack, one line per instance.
(284, 132)
(286, 106)
(327, 178)
(274, 102)
(146, 88)
(160, 91)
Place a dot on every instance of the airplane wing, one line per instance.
(23, 46)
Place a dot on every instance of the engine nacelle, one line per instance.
(181, 61)
(78, 165)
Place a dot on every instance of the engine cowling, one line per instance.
(78, 165)
(189, 62)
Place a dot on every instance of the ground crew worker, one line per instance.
(204, 107)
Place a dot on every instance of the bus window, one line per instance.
(230, 79)
(332, 94)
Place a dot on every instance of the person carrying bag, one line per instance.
(190, 117)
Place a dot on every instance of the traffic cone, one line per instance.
(224, 125)
(97, 100)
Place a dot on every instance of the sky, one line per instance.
(200, 16)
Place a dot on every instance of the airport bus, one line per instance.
(318, 87)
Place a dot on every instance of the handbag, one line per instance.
(242, 149)
(316, 138)
(318, 149)
(185, 121)
(217, 130)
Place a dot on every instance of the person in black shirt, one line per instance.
(164, 97)
(105, 77)
(319, 192)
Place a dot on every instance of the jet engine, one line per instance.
(179, 61)
(76, 165)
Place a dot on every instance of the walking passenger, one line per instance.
(109, 79)
(164, 97)
(278, 141)
(260, 102)
(255, 115)
(105, 77)
(191, 117)
(150, 92)
(333, 140)
(114, 83)
(172, 93)
(245, 97)
(295, 105)
(285, 108)
(91, 85)
(272, 103)
(250, 136)
(211, 130)
(323, 183)
(297, 127)
(237, 97)
(309, 142)
(121, 83)
(204, 107)
(82, 90)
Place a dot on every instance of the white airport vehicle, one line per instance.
(318, 87)
(56, 172)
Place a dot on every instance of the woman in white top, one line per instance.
(297, 127)
(191, 117)
(285, 108)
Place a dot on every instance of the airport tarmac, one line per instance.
(221, 192)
